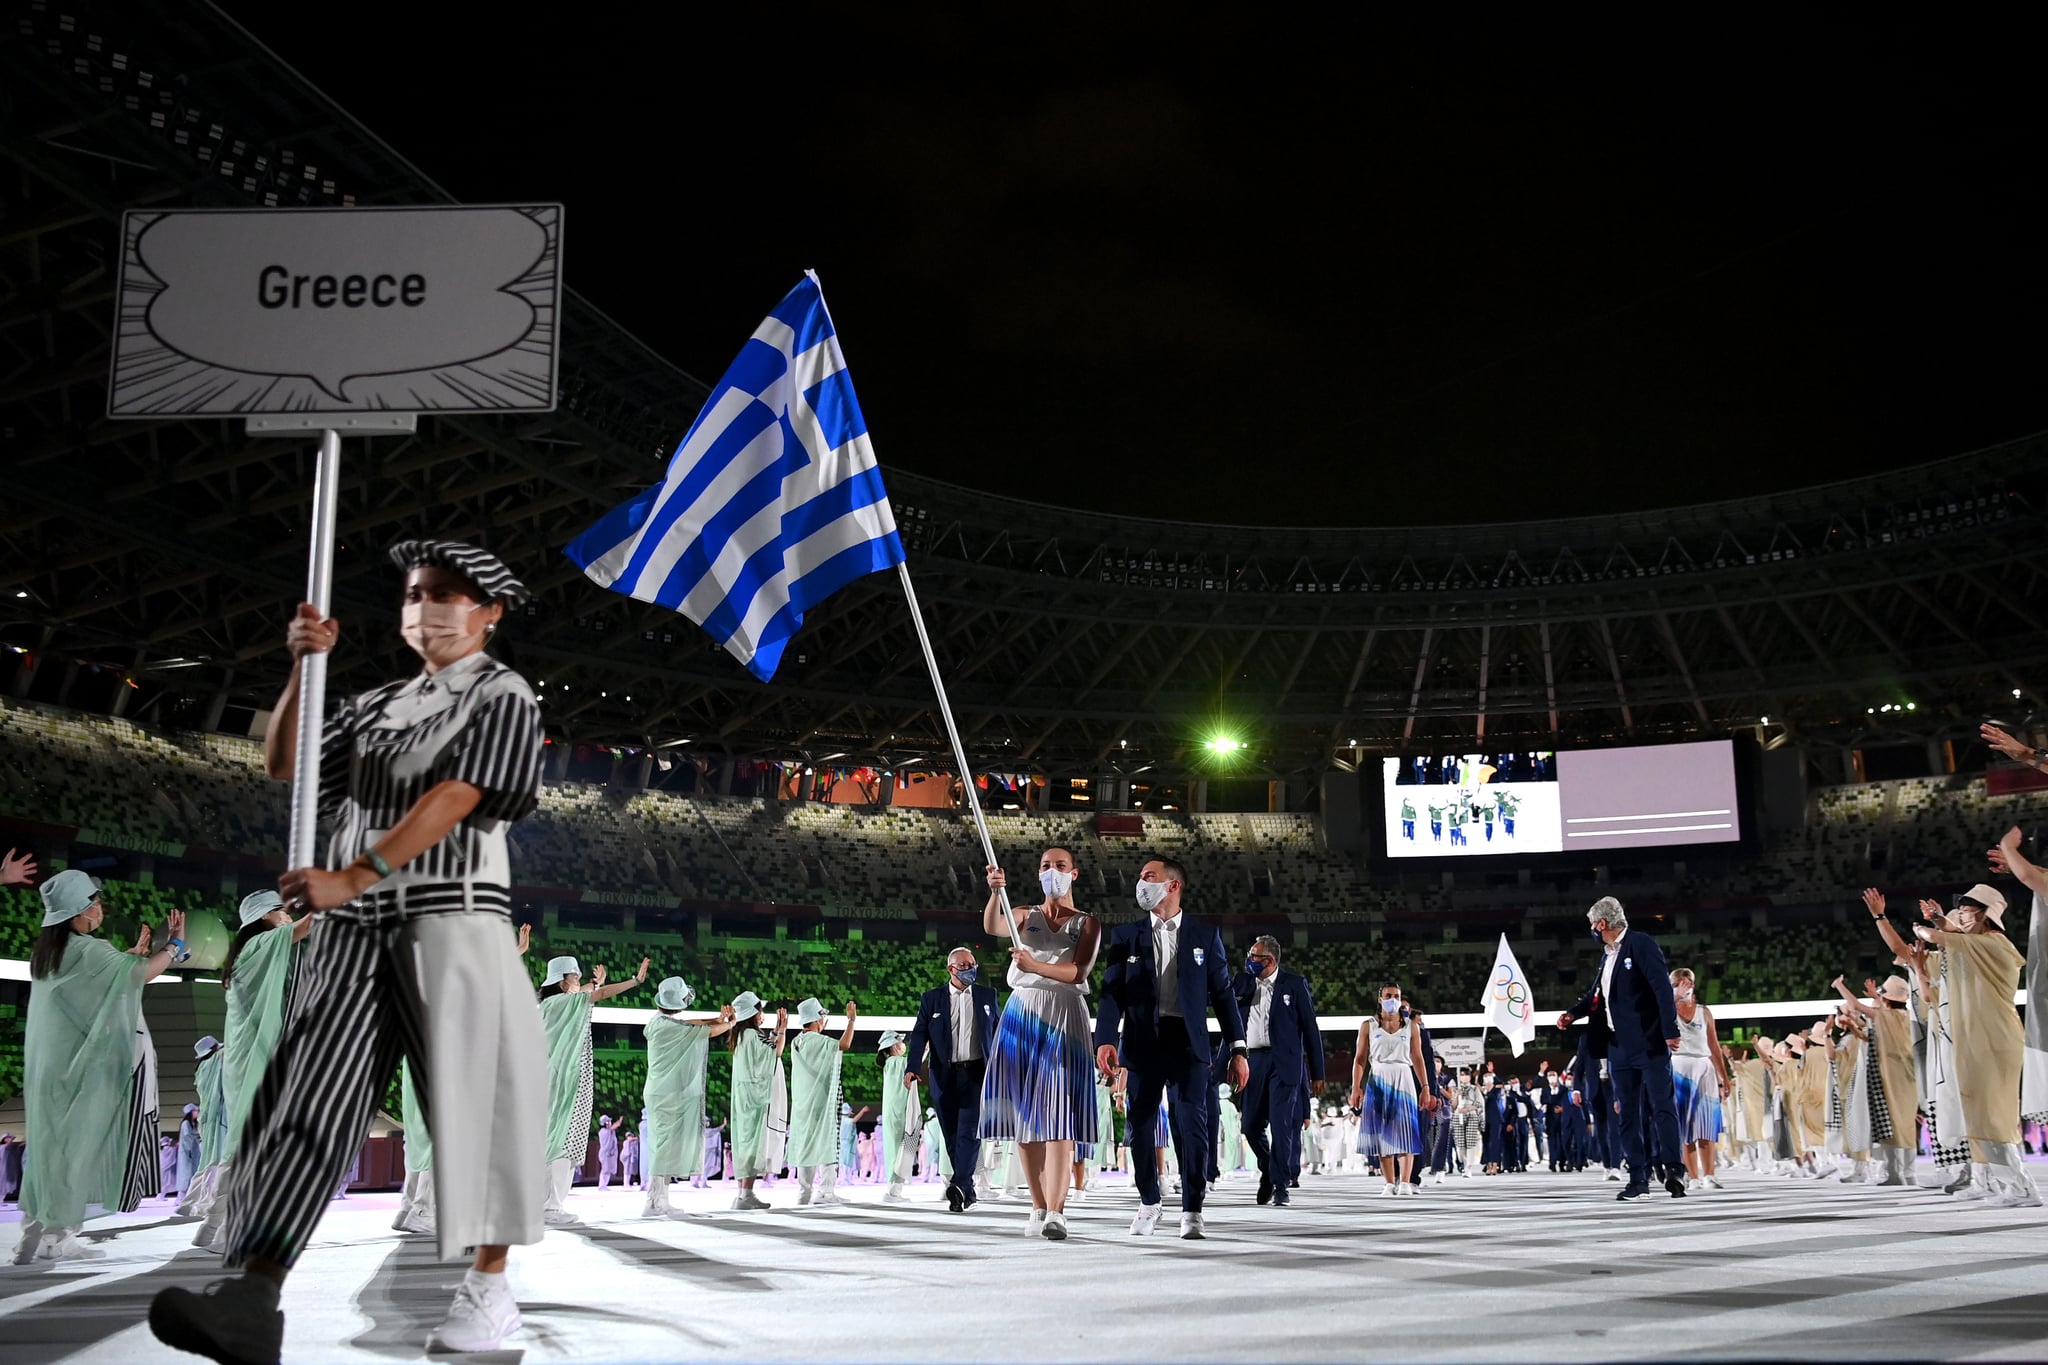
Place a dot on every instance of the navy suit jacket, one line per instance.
(1130, 991)
(1291, 1024)
(933, 1030)
(1645, 1013)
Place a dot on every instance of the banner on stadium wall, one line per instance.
(631, 898)
(248, 312)
(121, 841)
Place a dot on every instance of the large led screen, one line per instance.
(1486, 805)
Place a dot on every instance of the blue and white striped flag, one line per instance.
(773, 501)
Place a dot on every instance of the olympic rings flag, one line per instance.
(1508, 1003)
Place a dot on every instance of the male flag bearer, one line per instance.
(1163, 976)
(1284, 1046)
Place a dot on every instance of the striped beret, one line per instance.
(480, 567)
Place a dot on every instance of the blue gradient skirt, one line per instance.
(1698, 1093)
(1040, 1083)
(1390, 1120)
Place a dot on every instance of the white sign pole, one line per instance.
(313, 668)
(931, 660)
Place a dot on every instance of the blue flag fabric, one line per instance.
(772, 503)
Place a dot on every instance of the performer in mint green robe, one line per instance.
(565, 1005)
(901, 1111)
(814, 1103)
(754, 1061)
(199, 1191)
(678, 1051)
(88, 1072)
(938, 1162)
(257, 975)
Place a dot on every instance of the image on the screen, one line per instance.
(1473, 805)
(1482, 805)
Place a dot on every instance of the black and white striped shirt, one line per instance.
(475, 721)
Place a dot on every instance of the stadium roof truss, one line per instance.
(173, 550)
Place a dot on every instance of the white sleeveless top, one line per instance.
(1391, 1049)
(1053, 947)
(1692, 1037)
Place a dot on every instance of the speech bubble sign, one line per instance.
(393, 309)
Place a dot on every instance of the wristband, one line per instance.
(376, 862)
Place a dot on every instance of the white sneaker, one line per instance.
(483, 1315)
(31, 1240)
(1191, 1227)
(419, 1220)
(1714, 1183)
(65, 1246)
(1035, 1225)
(1147, 1221)
(1614, 1175)
(1439, 1178)
(896, 1194)
(1055, 1228)
(749, 1200)
(561, 1218)
(1969, 1193)
(2014, 1199)
(826, 1199)
(1387, 1190)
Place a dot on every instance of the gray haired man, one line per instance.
(1284, 1046)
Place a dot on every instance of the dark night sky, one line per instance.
(1240, 268)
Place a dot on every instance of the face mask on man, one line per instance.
(967, 975)
(1055, 882)
(1151, 895)
(441, 632)
(1255, 965)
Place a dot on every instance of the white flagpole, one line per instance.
(988, 847)
(313, 668)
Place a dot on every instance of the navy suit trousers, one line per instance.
(1642, 1087)
(956, 1094)
(1173, 1066)
(1271, 1104)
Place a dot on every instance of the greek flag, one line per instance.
(772, 502)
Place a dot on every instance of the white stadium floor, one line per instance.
(1533, 1267)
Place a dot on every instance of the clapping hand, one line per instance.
(852, 1011)
(525, 938)
(1873, 901)
(17, 869)
(1999, 856)
(141, 948)
(641, 976)
(597, 976)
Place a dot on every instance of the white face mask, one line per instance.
(1055, 882)
(441, 632)
(1151, 895)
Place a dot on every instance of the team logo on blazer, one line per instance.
(1198, 957)
(1628, 964)
(1286, 999)
(1132, 958)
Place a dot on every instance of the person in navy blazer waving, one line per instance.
(1633, 997)
(1162, 977)
(950, 1045)
(1284, 1046)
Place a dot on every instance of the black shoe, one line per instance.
(1632, 1191)
(1266, 1191)
(231, 1321)
(1280, 1199)
(1675, 1183)
(955, 1200)
(1295, 1183)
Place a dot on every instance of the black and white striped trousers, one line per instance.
(355, 1007)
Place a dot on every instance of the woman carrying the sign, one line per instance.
(414, 954)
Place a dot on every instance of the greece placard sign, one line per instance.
(246, 312)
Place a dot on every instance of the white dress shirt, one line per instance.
(966, 1037)
(1607, 980)
(1166, 964)
(1258, 1025)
